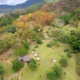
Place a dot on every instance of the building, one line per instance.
(24, 59)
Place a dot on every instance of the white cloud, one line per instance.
(12, 2)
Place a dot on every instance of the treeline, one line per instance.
(10, 17)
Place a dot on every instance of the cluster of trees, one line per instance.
(23, 50)
(10, 17)
(32, 64)
(11, 29)
(4, 46)
(55, 73)
(39, 17)
(17, 65)
(1, 72)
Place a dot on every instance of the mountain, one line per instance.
(23, 5)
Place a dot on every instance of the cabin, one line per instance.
(24, 58)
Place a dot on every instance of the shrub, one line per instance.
(1, 69)
(32, 64)
(17, 65)
(41, 30)
(64, 38)
(48, 45)
(64, 62)
(11, 29)
(73, 32)
(51, 76)
(49, 35)
(66, 50)
(69, 54)
(75, 51)
(8, 46)
(22, 51)
(65, 8)
(1, 77)
(33, 50)
(58, 71)
(26, 45)
(65, 18)
(76, 45)
(39, 41)
(72, 39)
(36, 28)
(36, 46)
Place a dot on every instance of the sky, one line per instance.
(12, 2)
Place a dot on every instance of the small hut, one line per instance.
(24, 59)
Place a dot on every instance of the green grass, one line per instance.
(48, 54)
(9, 74)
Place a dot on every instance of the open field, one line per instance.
(48, 54)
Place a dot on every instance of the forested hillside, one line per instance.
(49, 34)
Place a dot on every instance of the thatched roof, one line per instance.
(24, 59)
(19, 58)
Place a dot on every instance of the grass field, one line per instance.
(49, 54)
(9, 74)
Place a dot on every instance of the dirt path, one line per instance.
(21, 71)
(4, 54)
(57, 54)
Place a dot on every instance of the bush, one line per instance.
(36, 46)
(26, 45)
(65, 18)
(75, 51)
(22, 51)
(76, 45)
(73, 32)
(51, 76)
(36, 28)
(32, 64)
(72, 39)
(33, 49)
(64, 62)
(68, 50)
(48, 45)
(1, 69)
(41, 30)
(65, 8)
(64, 38)
(39, 41)
(11, 29)
(17, 65)
(58, 71)
(1, 77)
(69, 54)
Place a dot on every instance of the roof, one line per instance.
(19, 58)
(25, 58)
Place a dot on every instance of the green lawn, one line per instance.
(48, 54)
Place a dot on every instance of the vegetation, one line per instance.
(1, 69)
(55, 74)
(39, 41)
(17, 65)
(11, 29)
(23, 51)
(32, 64)
(64, 61)
(56, 27)
(69, 54)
